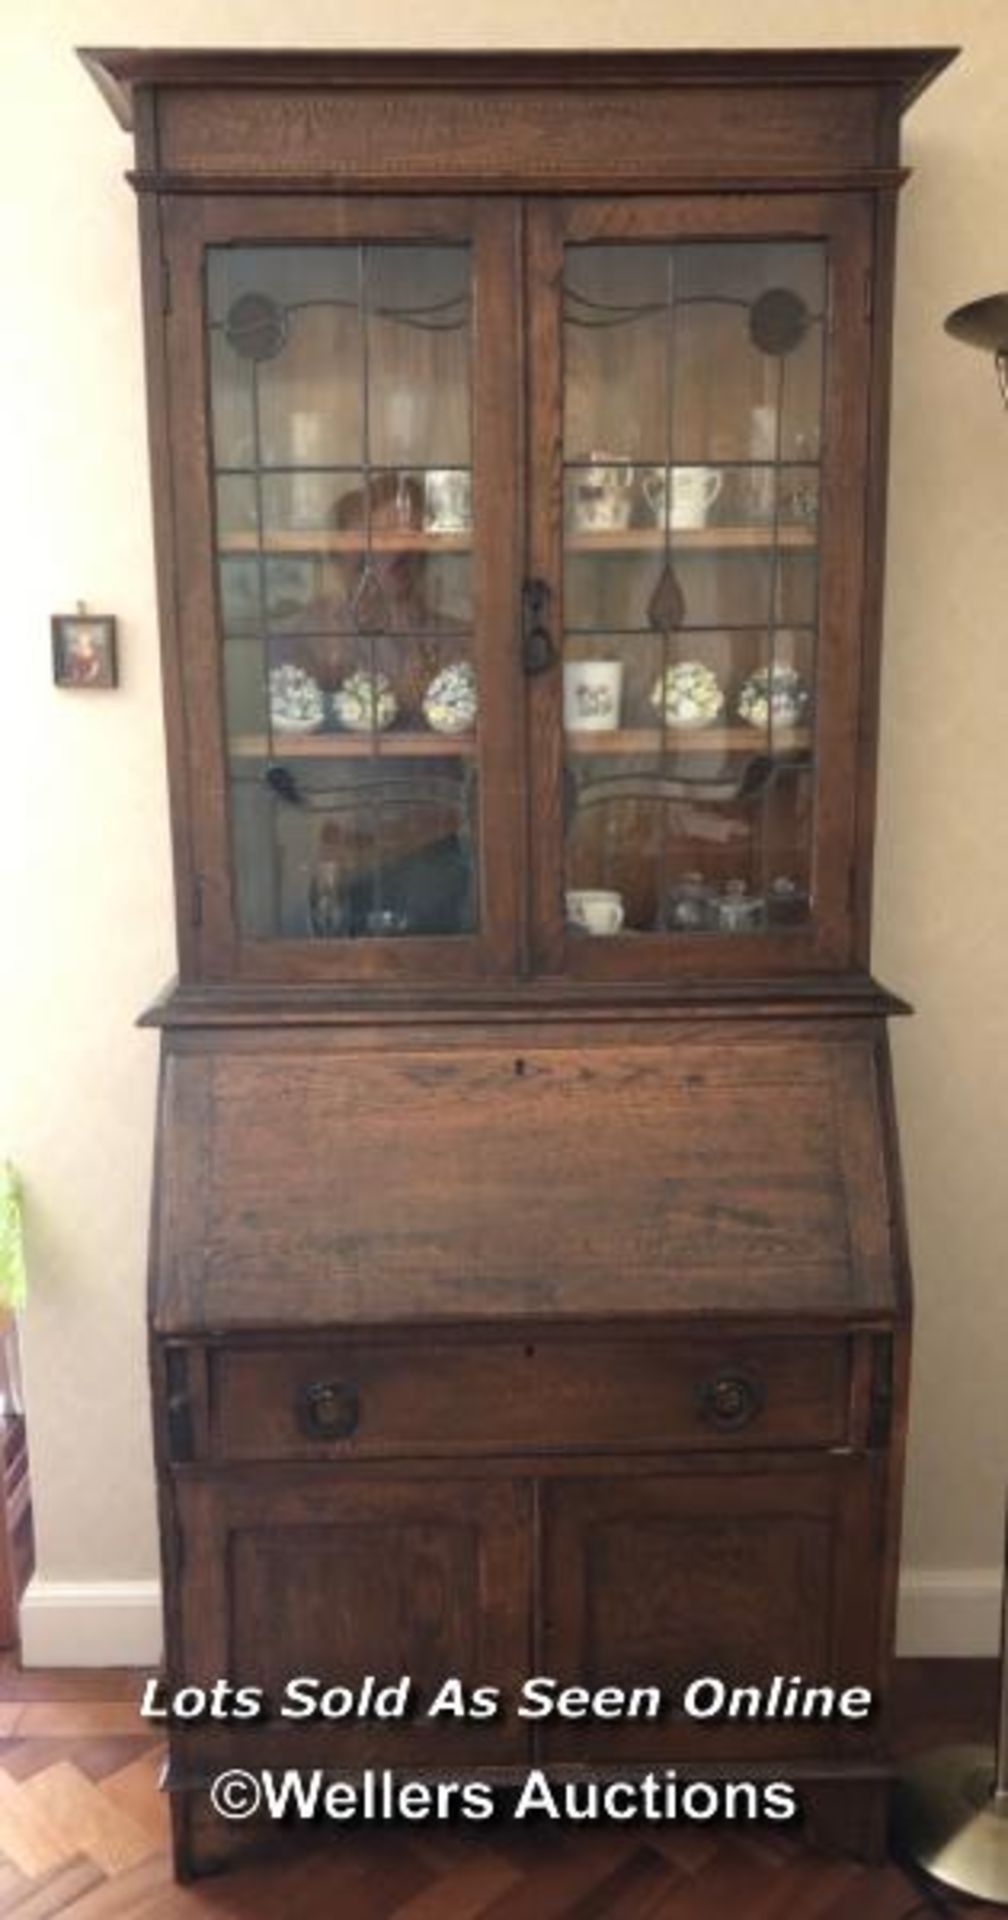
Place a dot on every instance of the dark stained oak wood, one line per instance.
(389, 1576)
(522, 1303)
(408, 1186)
(882, 293)
(815, 133)
(525, 120)
(513, 1003)
(908, 70)
(489, 229)
(510, 1396)
(651, 1579)
(846, 224)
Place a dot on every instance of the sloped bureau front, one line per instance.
(305, 1184)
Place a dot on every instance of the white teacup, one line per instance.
(693, 493)
(600, 496)
(448, 500)
(592, 690)
(594, 909)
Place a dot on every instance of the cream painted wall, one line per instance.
(84, 861)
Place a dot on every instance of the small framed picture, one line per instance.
(84, 650)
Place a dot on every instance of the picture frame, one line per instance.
(84, 650)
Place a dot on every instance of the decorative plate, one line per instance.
(776, 695)
(296, 704)
(691, 694)
(365, 703)
(449, 703)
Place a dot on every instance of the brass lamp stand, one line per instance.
(951, 1811)
(984, 324)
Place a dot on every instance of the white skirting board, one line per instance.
(954, 1613)
(117, 1623)
(91, 1623)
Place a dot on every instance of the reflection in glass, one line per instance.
(341, 435)
(357, 852)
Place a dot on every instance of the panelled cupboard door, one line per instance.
(342, 378)
(670, 1578)
(698, 458)
(340, 1578)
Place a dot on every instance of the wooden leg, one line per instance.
(848, 1817)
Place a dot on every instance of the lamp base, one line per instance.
(947, 1820)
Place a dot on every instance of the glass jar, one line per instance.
(691, 905)
(739, 911)
(787, 903)
(327, 918)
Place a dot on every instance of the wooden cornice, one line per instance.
(117, 71)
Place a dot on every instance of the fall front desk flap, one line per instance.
(306, 1181)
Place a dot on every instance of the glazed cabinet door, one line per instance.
(699, 458)
(343, 1577)
(741, 1574)
(344, 683)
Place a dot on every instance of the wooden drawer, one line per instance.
(514, 1396)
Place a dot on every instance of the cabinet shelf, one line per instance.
(352, 746)
(707, 740)
(694, 540)
(625, 540)
(329, 540)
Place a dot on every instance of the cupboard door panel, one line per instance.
(345, 403)
(742, 1576)
(286, 1576)
(701, 533)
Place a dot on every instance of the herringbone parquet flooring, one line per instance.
(83, 1832)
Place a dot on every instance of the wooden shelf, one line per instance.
(694, 540)
(326, 540)
(430, 745)
(352, 746)
(707, 740)
(627, 540)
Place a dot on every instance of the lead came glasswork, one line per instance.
(691, 562)
(340, 384)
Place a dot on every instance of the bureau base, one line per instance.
(843, 1814)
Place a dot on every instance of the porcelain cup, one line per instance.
(600, 495)
(592, 690)
(595, 910)
(448, 500)
(690, 491)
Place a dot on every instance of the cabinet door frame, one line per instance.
(492, 1513)
(845, 223)
(841, 1496)
(215, 948)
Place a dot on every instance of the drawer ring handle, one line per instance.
(729, 1401)
(328, 1409)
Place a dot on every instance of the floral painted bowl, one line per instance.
(365, 703)
(690, 694)
(449, 704)
(775, 696)
(296, 703)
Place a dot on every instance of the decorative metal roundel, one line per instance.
(256, 326)
(778, 321)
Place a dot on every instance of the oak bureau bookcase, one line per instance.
(529, 1287)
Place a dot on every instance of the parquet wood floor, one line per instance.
(83, 1832)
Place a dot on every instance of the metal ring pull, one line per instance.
(730, 1400)
(329, 1409)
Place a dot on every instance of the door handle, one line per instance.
(538, 650)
